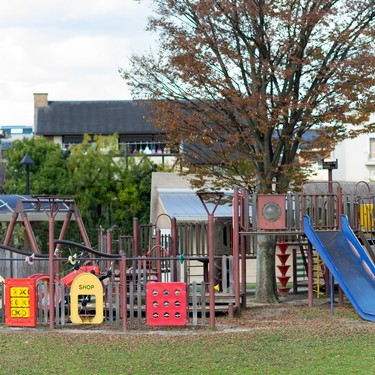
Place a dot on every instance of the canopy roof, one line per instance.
(186, 205)
(36, 207)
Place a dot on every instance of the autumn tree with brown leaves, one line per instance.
(254, 91)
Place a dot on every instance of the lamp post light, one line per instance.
(27, 161)
(330, 164)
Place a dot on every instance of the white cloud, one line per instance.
(70, 49)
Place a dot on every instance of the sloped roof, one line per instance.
(10, 204)
(187, 205)
(93, 117)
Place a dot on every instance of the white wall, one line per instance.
(353, 160)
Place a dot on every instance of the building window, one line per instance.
(69, 140)
(372, 149)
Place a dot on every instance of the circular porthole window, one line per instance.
(271, 211)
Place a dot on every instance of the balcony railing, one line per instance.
(147, 148)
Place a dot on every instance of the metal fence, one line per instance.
(139, 273)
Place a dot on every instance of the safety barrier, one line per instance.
(84, 302)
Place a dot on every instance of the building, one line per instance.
(10, 133)
(66, 123)
(355, 159)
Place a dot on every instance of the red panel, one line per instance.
(20, 302)
(271, 201)
(166, 304)
(68, 279)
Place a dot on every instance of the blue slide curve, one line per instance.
(349, 264)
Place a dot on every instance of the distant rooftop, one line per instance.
(93, 117)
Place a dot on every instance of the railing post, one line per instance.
(211, 252)
(339, 208)
(174, 247)
(51, 227)
(236, 247)
(109, 247)
(158, 253)
(123, 292)
(135, 244)
(310, 274)
(211, 270)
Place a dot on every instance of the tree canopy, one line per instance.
(256, 90)
(48, 173)
(92, 171)
(108, 189)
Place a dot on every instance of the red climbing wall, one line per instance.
(166, 304)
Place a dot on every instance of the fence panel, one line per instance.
(176, 269)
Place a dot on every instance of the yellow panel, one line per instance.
(19, 291)
(366, 218)
(19, 302)
(20, 313)
(86, 284)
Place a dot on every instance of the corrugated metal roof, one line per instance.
(187, 205)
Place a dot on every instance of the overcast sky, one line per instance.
(70, 49)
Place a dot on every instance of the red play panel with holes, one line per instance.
(166, 304)
(20, 302)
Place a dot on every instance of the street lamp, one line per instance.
(26, 160)
(330, 164)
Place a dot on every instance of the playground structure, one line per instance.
(351, 266)
(210, 258)
(336, 223)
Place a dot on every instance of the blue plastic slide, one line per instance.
(349, 264)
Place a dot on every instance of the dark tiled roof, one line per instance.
(93, 117)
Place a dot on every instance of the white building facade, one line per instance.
(356, 160)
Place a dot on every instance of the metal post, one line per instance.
(27, 161)
(27, 179)
(211, 269)
(295, 276)
(310, 274)
(158, 253)
(174, 247)
(10, 229)
(65, 227)
(332, 294)
(135, 247)
(244, 241)
(330, 181)
(29, 232)
(211, 252)
(109, 247)
(135, 238)
(123, 302)
(235, 245)
(81, 227)
(51, 299)
(243, 270)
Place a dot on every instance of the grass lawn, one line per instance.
(273, 339)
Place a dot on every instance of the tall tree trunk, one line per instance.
(266, 288)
